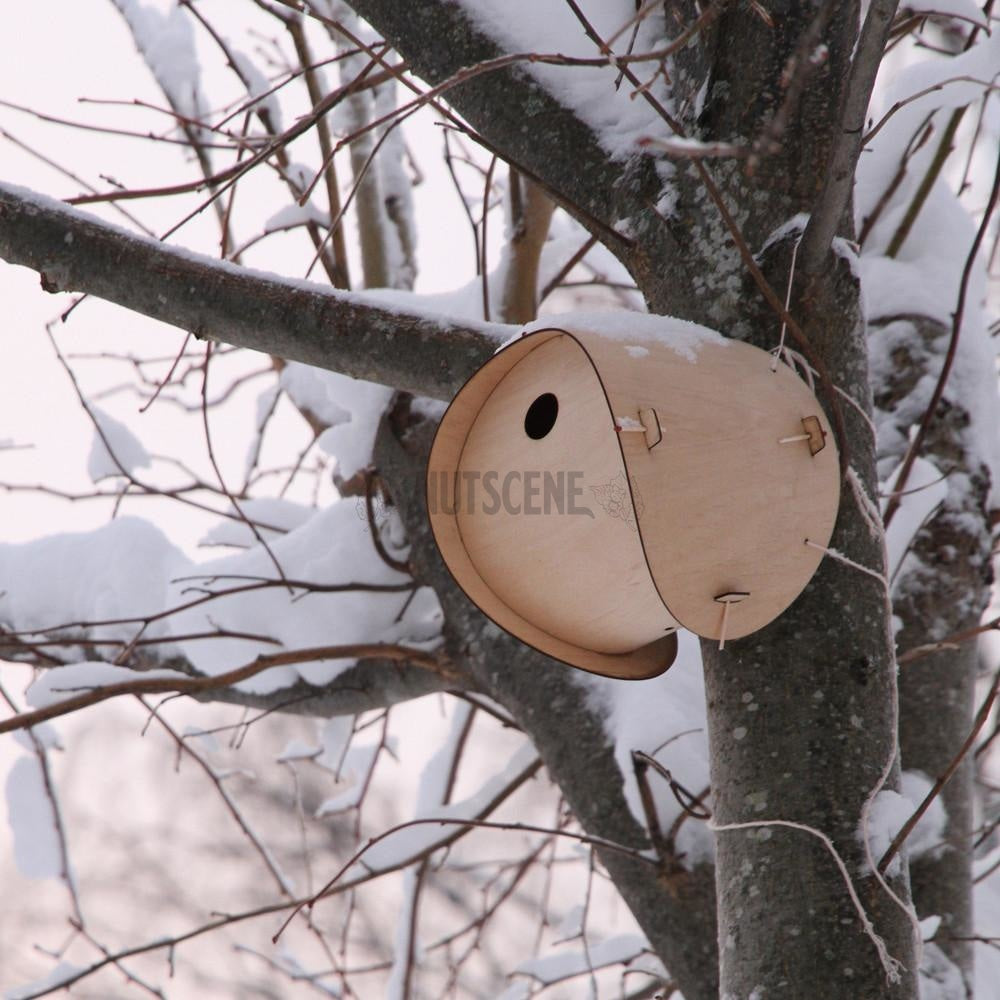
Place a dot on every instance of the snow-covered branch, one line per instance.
(373, 337)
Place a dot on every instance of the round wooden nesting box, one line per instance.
(592, 495)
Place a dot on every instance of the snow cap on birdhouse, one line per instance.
(591, 494)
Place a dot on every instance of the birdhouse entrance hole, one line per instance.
(541, 416)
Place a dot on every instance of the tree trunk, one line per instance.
(941, 588)
(801, 727)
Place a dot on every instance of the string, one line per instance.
(866, 507)
(889, 964)
(788, 299)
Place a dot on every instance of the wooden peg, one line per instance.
(647, 423)
(628, 425)
(817, 436)
(727, 599)
(814, 434)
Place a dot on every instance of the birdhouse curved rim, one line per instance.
(646, 661)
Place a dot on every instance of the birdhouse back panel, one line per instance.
(735, 484)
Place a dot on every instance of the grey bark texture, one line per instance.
(801, 727)
(675, 907)
(942, 588)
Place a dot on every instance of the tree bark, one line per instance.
(353, 333)
(801, 714)
(801, 726)
(942, 588)
(674, 906)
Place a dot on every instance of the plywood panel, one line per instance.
(645, 661)
(570, 561)
(726, 507)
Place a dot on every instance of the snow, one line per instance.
(260, 89)
(549, 27)
(272, 516)
(979, 63)
(334, 738)
(294, 214)
(396, 190)
(432, 795)
(60, 974)
(352, 442)
(351, 407)
(398, 301)
(126, 452)
(564, 964)
(296, 749)
(965, 9)
(413, 841)
(127, 569)
(940, 977)
(53, 686)
(987, 911)
(333, 546)
(119, 570)
(571, 926)
(32, 821)
(354, 769)
(683, 337)
(166, 43)
(923, 279)
(929, 927)
(642, 715)
(891, 810)
(926, 490)
(44, 734)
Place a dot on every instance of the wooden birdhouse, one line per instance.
(591, 495)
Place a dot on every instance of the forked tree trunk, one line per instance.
(801, 715)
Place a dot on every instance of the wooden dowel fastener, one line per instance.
(648, 423)
(814, 434)
(726, 600)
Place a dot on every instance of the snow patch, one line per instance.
(32, 821)
(891, 810)
(642, 715)
(115, 450)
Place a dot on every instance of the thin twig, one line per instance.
(981, 716)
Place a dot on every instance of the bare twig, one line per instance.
(981, 716)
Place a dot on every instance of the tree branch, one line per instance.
(369, 684)
(202, 684)
(543, 139)
(556, 711)
(829, 209)
(350, 333)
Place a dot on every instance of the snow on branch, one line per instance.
(380, 338)
(167, 682)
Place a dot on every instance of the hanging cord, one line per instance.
(890, 964)
(868, 511)
(788, 299)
